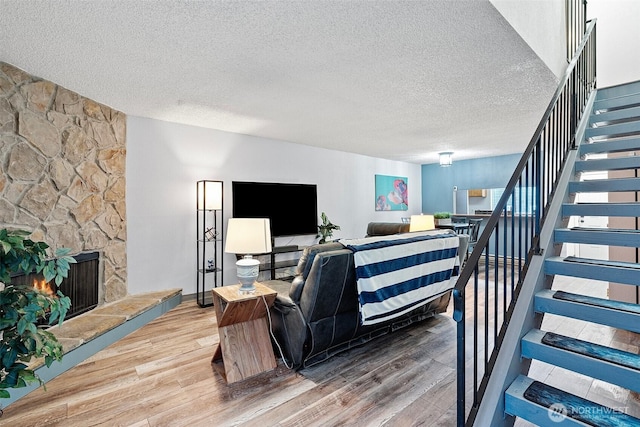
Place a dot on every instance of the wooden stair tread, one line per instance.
(598, 236)
(597, 351)
(604, 263)
(616, 314)
(576, 407)
(625, 273)
(628, 143)
(619, 163)
(630, 209)
(604, 204)
(605, 185)
(608, 230)
(603, 363)
(598, 302)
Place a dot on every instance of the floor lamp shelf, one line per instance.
(210, 238)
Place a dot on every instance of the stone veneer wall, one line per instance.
(62, 171)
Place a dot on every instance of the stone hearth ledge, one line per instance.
(85, 335)
(83, 328)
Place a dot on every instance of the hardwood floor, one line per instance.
(161, 375)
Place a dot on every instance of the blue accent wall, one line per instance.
(438, 182)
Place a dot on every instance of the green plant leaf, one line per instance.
(60, 252)
(22, 306)
(32, 328)
(11, 379)
(28, 376)
(53, 316)
(49, 271)
(9, 358)
(6, 246)
(22, 325)
(63, 266)
(30, 345)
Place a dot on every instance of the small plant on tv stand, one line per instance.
(442, 218)
(22, 307)
(325, 230)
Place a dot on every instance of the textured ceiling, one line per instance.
(395, 80)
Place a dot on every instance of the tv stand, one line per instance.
(273, 265)
(283, 249)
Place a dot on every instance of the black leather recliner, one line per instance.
(317, 315)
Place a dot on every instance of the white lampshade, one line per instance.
(446, 159)
(247, 236)
(422, 223)
(209, 195)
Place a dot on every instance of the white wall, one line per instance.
(618, 40)
(164, 161)
(541, 24)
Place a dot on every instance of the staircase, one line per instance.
(613, 127)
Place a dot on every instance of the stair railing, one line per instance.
(576, 18)
(511, 234)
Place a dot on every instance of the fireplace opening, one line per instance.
(81, 284)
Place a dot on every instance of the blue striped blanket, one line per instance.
(398, 273)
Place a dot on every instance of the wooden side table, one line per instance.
(245, 348)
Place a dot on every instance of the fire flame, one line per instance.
(44, 287)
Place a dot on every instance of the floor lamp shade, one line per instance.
(248, 236)
(422, 223)
(209, 195)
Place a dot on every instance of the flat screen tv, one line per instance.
(292, 208)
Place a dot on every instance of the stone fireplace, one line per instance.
(62, 172)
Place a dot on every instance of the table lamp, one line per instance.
(247, 237)
(422, 223)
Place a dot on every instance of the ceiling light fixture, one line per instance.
(446, 159)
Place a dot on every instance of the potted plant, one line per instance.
(325, 230)
(442, 218)
(22, 307)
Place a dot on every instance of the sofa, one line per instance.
(386, 228)
(317, 315)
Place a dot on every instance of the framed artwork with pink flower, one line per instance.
(392, 193)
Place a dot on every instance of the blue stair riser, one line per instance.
(613, 146)
(610, 238)
(625, 113)
(533, 348)
(628, 276)
(617, 102)
(618, 91)
(601, 209)
(545, 303)
(613, 130)
(618, 163)
(605, 185)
